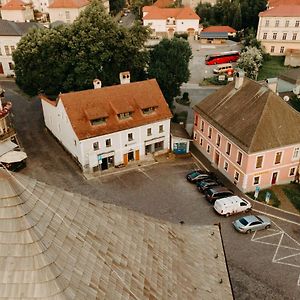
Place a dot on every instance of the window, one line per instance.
(296, 153)
(239, 158)
(284, 35)
(267, 23)
(292, 171)
(96, 146)
(130, 137)
(278, 158)
(259, 161)
(287, 23)
(11, 66)
(297, 23)
(208, 149)
(202, 126)
(281, 49)
(67, 15)
(294, 36)
(148, 110)
(226, 166)
(236, 175)
(98, 121)
(274, 35)
(6, 49)
(149, 131)
(12, 49)
(218, 140)
(209, 132)
(196, 120)
(108, 142)
(256, 180)
(195, 136)
(265, 35)
(201, 141)
(161, 128)
(124, 115)
(228, 149)
(276, 23)
(272, 49)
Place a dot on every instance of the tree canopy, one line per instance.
(116, 6)
(69, 57)
(169, 62)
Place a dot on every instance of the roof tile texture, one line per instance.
(156, 13)
(282, 11)
(219, 29)
(69, 3)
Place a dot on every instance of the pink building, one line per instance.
(249, 133)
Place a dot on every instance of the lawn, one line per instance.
(274, 201)
(272, 67)
(292, 191)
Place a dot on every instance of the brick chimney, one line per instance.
(125, 77)
(239, 79)
(97, 84)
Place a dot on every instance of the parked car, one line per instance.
(251, 223)
(231, 205)
(207, 183)
(218, 192)
(197, 175)
(225, 68)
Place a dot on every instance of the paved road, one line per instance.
(265, 265)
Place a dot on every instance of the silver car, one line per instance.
(251, 223)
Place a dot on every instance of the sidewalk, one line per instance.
(264, 208)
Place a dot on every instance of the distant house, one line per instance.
(216, 34)
(166, 21)
(249, 133)
(109, 126)
(10, 34)
(180, 140)
(17, 11)
(279, 29)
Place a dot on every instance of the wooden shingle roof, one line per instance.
(59, 245)
(253, 117)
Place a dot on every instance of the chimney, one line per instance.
(125, 77)
(239, 79)
(272, 84)
(97, 84)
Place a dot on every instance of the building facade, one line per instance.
(17, 11)
(111, 127)
(279, 29)
(249, 134)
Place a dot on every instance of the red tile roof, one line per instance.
(273, 3)
(282, 11)
(219, 29)
(156, 13)
(69, 3)
(14, 5)
(108, 102)
(163, 3)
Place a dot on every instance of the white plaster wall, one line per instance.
(183, 25)
(59, 14)
(157, 25)
(13, 15)
(6, 59)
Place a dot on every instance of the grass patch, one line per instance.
(292, 191)
(214, 81)
(272, 67)
(274, 201)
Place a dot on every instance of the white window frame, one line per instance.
(201, 142)
(227, 148)
(208, 148)
(262, 163)
(218, 139)
(237, 157)
(254, 180)
(276, 164)
(236, 174)
(226, 163)
(202, 126)
(209, 132)
(298, 153)
(295, 170)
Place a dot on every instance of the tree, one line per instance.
(68, 58)
(116, 6)
(250, 61)
(169, 65)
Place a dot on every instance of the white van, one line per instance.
(231, 205)
(224, 68)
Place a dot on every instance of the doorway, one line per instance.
(1, 69)
(274, 178)
(130, 156)
(217, 158)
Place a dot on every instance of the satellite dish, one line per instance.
(296, 90)
(286, 98)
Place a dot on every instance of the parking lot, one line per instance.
(265, 265)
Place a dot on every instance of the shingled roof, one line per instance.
(84, 106)
(282, 11)
(59, 245)
(182, 13)
(69, 3)
(253, 116)
(10, 28)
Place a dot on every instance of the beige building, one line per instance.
(279, 29)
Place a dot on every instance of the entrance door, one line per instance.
(274, 178)
(104, 164)
(130, 156)
(1, 69)
(137, 154)
(148, 149)
(217, 158)
(125, 159)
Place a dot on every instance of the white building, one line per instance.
(279, 29)
(10, 35)
(167, 21)
(110, 126)
(17, 11)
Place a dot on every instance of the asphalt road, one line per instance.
(265, 265)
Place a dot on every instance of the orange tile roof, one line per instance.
(282, 11)
(273, 3)
(84, 106)
(156, 13)
(219, 29)
(14, 5)
(163, 3)
(69, 3)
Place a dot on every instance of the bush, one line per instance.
(293, 195)
(181, 35)
(274, 201)
(215, 80)
(180, 117)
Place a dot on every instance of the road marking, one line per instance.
(201, 164)
(142, 171)
(298, 283)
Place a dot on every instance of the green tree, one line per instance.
(169, 65)
(69, 57)
(237, 16)
(116, 6)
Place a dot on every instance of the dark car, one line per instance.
(218, 192)
(207, 183)
(197, 175)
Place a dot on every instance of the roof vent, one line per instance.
(125, 77)
(239, 79)
(272, 84)
(97, 84)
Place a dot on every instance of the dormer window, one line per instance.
(148, 110)
(123, 116)
(98, 121)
